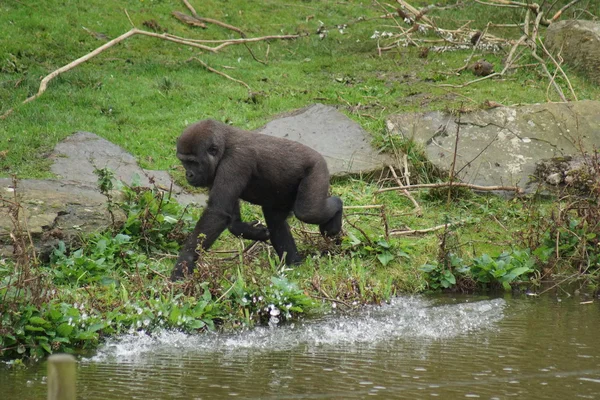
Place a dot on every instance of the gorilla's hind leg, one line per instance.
(334, 226)
(281, 236)
(314, 205)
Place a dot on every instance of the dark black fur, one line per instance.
(280, 175)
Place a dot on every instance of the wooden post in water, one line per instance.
(61, 377)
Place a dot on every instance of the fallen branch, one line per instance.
(190, 7)
(453, 184)
(378, 206)
(559, 68)
(559, 12)
(132, 32)
(418, 209)
(205, 65)
(397, 232)
(186, 19)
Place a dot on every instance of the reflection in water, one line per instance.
(415, 347)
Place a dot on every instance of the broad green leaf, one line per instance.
(34, 328)
(96, 327)
(385, 258)
(38, 321)
(46, 347)
(64, 330)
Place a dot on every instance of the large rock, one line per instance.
(502, 146)
(50, 211)
(343, 143)
(76, 158)
(578, 41)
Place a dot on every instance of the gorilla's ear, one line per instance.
(213, 150)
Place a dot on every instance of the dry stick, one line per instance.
(541, 60)
(363, 207)
(221, 73)
(190, 7)
(454, 158)
(559, 12)
(559, 68)
(223, 25)
(497, 5)
(397, 232)
(132, 32)
(48, 78)
(418, 209)
(415, 12)
(186, 19)
(229, 41)
(360, 230)
(406, 171)
(327, 296)
(455, 184)
(129, 18)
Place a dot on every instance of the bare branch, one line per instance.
(186, 19)
(189, 6)
(397, 232)
(418, 209)
(559, 12)
(222, 73)
(132, 32)
(453, 184)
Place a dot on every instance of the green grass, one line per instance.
(141, 93)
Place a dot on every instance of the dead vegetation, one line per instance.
(414, 26)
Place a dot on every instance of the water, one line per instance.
(414, 348)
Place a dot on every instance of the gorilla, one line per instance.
(280, 175)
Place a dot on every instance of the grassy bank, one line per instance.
(142, 92)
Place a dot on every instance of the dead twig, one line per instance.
(559, 12)
(128, 34)
(367, 238)
(190, 7)
(559, 68)
(418, 208)
(454, 156)
(397, 232)
(379, 206)
(186, 19)
(455, 184)
(205, 65)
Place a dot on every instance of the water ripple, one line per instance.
(403, 318)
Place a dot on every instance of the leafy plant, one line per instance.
(383, 250)
(505, 269)
(483, 271)
(437, 276)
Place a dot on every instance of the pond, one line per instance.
(450, 347)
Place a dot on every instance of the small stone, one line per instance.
(554, 179)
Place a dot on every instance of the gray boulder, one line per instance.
(503, 145)
(76, 158)
(344, 144)
(52, 210)
(578, 41)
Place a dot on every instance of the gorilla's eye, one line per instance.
(213, 150)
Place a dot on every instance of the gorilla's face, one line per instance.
(199, 151)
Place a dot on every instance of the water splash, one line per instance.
(404, 318)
